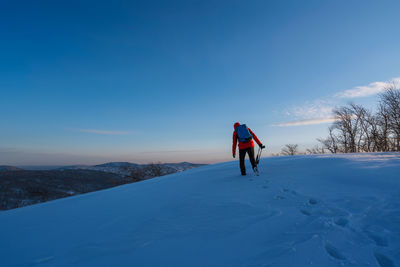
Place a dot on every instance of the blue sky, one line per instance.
(94, 81)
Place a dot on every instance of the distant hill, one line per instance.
(117, 165)
(126, 168)
(9, 168)
(20, 187)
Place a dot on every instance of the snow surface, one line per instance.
(321, 210)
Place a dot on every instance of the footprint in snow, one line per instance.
(279, 197)
(383, 260)
(286, 190)
(379, 240)
(341, 221)
(334, 252)
(312, 201)
(305, 212)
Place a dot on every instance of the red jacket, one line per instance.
(243, 145)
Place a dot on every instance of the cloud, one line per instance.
(316, 109)
(319, 111)
(8, 150)
(316, 112)
(368, 90)
(305, 122)
(172, 151)
(29, 157)
(94, 131)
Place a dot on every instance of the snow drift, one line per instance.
(322, 210)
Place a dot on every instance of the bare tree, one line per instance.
(390, 101)
(315, 150)
(374, 134)
(383, 129)
(331, 142)
(367, 126)
(357, 129)
(290, 149)
(347, 125)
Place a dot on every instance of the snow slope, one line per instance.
(322, 210)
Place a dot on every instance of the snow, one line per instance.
(320, 210)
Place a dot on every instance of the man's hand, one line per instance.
(234, 155)
(262, 146)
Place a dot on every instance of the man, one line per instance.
(245, 137)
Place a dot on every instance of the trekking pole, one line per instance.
(258, 155)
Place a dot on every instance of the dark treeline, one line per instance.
(357, 129)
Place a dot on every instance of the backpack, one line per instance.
(243, 133)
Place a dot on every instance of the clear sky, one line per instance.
(94, 81)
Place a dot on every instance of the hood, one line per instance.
(236, 125)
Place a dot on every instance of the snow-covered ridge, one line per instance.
(322, 210)
(125, 168)
(9, 168)
(20, 187)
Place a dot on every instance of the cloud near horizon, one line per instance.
(103, 132)
(305, 122)
(367, 90)
(316, 112)
(316, 109)
(173, 151)
(320, 110)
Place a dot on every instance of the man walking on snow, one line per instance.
(246, 145)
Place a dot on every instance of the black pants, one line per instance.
(242, 155)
